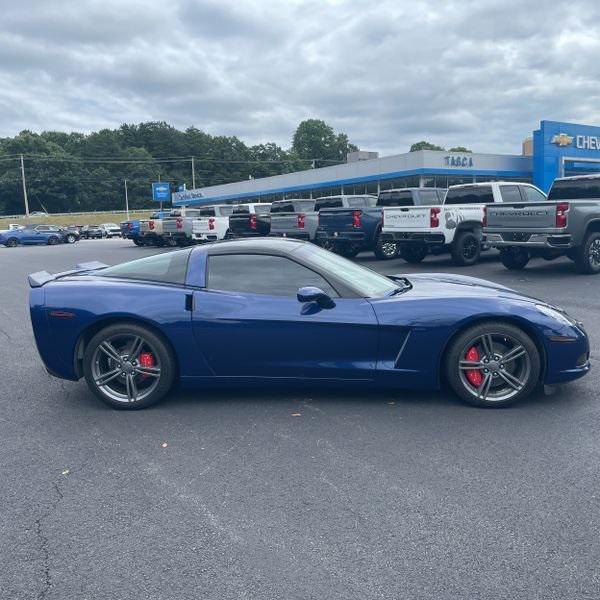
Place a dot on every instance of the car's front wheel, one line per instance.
(128, 366)
(492, 364)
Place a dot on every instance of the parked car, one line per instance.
(566, 224)
(270, 311)
(33, 234)
(71, 234)
(357, 227)
(455, 226)
(296, 219)
(250, 220)
(212, 223)
(131, 229)
(91, 232)
(110, 230)
(39, 213)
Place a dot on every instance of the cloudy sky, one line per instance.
(456, 72)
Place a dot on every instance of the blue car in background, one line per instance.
(267, 311)
(34, 234)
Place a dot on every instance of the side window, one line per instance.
(481, 194)
(532, 195)
(262, 274)
(356, 202)
(42, 228)
(428, 197)
(166, 268)
(510, 193)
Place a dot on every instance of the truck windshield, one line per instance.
(476, 194)
(573, 189)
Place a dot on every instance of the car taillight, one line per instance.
(301, 218)
(562, 208)
(356, 218)
(253, 223)
(179, 222)
(485, 216)
(211, 223)
(129, 226)
(434, 219)
(151, 224)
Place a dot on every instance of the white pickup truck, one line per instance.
(212, 224)
(456, 225)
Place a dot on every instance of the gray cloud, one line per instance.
(476, 73)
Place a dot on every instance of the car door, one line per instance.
(248, 322)
(34, 235)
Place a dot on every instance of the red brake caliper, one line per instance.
(473, 375)
(147, 360)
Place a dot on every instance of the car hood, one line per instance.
(439, 285)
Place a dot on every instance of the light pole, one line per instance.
(193, 174)
(24, 189)
(126, 200)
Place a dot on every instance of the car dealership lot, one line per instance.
(295, 493)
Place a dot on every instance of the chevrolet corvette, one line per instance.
(266, 311)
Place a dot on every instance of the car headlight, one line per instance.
(557, 314)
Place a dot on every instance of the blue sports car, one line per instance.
(272, 311)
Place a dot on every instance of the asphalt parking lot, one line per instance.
(228, 495)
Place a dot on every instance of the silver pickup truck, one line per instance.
(567, 224)
(294, 218)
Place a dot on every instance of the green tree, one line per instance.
(460, 149)
(315, 139)
(423, 145)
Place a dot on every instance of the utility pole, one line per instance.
(193, 174)
(126, 200)
(24, 189)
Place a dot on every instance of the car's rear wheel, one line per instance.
(385, 249)
(53, 240)
(588, 255)
(514, 258)
(492, 364)
(414, 253)
(466, 249)
(128, 366)
(11, 243)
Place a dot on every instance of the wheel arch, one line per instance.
(593, 226)
(472, 226)
(93, 328)
(516, 321)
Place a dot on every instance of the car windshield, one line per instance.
(363, 281)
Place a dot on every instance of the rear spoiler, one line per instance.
(42, 277)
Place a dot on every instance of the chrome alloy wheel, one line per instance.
(594, 253)
(494, 367)
(388, 249)
(126, 368)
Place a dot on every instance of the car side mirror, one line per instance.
(315, 294)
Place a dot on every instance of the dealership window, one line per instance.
(459, 180)
(372, 188)
(279, 276)
(428, 181)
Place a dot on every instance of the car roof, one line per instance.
(254, 245)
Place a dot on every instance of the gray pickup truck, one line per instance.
(294, 218)
(567, 224)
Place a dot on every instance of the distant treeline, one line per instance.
(77, 172)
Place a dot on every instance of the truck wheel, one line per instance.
(138, 242)
(466, 249)
(413, 253)
(514, 258)
(588, 255)
(385, 250)
(347, 250)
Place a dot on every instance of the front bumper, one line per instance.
(407, 237)
(567, 360)
(528, 239)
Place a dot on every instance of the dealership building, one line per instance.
(555, 150)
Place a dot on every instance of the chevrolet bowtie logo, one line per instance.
(562, 139)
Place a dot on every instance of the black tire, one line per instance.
(525, 368)
(11, 242)
(115, 394)
(53, 240)
(346, 250)
(71, 239)
(385, 250)
(138, 242)
(587, 257)
(466, 249)
(514, 258)
(414, 253)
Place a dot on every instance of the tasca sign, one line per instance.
(458, 161)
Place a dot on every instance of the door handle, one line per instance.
(189, 302)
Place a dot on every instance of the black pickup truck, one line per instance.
(250, 220)
(351, 230)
